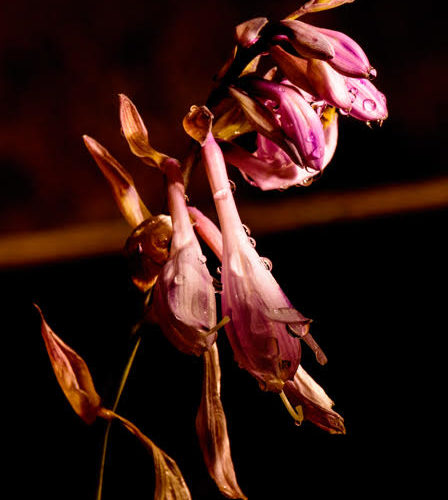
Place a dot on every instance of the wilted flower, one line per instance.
(312, 403)
(264, 329)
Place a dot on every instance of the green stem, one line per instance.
(123, 381)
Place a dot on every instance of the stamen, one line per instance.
(296, 413)
(217, 327)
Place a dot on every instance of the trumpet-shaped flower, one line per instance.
(184, 297)
(259, 311)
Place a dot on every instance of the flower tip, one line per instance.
(198, 123)
(372, 73)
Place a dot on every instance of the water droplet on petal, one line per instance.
(221, 194)
(202, 259)
(246, 228)
(219, 270)
(267, 263)
(369, 105)
(186, 198)
(252, 241)
(232, 186)
(179, 279)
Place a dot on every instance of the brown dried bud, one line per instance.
(72, 374)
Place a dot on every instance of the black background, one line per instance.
(376, 289)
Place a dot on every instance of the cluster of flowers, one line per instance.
(279, 130)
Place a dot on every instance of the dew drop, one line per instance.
(252, 241)
(221, 194)
(187, 199)
(267, 263)
(232, 186)
(179, 279)
(369, 105)
(219, 270)
(246, 228)
(202, 259)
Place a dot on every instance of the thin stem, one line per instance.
(121, 387)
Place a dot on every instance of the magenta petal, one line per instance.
(269, 168)
(298, 119)
(349, 58)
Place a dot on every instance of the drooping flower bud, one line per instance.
(369, 103)
(184, 298)
(307, 40)
(349, 58)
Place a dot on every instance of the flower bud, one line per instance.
(247, 33)
(329, 84)
(349, 58)
(307, 40)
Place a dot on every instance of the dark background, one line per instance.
(376, 289)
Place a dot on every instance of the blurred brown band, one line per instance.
(102, 238)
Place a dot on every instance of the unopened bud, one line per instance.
(308, 41)
(247, 33)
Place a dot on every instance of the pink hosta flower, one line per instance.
(184, 297)
(271, 168)
(298, 119)
(260, 312)
(309, 399)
